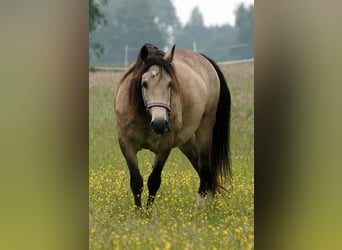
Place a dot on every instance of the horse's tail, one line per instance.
(220, 151)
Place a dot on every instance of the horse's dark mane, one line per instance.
(155, 57)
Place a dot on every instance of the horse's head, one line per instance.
(156, 87)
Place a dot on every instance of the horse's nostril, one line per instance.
(160, 126)
(167, 125)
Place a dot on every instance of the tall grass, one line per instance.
(173, 223)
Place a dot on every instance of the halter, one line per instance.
(157, 104)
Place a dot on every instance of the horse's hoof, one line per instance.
(204, 200)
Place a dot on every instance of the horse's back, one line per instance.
(198, 80)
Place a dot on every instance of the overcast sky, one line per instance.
(215, 12)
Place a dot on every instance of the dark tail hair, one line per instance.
(220, 151)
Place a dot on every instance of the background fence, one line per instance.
(123, 57)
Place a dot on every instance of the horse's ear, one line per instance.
(143, 53)
(169, 55)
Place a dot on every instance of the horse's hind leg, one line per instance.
(199, 158)
(190, 150)
(136, 181)
(154, 179)
(206, 189)
(208, 182)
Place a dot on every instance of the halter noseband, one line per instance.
(157, 104)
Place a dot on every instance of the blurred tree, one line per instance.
(218, 42)
(213, 41)
(196, 19)
(194, 31)
(133, 23)
(96, 19)
(166, 17)
(244, 23)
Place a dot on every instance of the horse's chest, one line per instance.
(155, 142)
(143, 137)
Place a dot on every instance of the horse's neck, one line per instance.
(177, 113)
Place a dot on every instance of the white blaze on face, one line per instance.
(158, 113)
(156, 89)
(156, 92)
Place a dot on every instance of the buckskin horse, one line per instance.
(175, 99)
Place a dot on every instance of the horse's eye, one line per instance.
(170, 84)
(144, 84)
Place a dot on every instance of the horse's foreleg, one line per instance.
(154, 179)
(136, 182)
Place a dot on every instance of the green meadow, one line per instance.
(174, 222)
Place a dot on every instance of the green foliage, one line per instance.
(173, 223)
(135, 22)
(245, 25)
(212, 41)
(165, 14)
(96, 19)
(196, 19)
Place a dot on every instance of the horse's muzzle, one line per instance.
(160, 126)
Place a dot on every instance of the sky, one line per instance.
(214, 12)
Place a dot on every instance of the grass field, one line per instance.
(173, 223)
